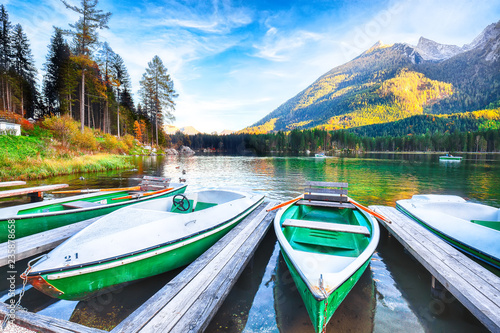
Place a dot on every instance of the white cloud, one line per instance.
(277, 54)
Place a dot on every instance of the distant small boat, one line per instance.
(327, 243)
(140, 241)
(449, 157)
(320, 155)
(41, 216)
(472, 228)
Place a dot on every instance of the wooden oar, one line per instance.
(135, 188)
(144, 194)
(369, 211)
(285, 203)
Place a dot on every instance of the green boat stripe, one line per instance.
(454, 242)
(64, 212)
(146, 253)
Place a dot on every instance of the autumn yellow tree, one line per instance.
(137, 131)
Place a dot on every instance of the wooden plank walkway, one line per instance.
(41, 323)
(475, 287)
(28, 190)
(14, 183)
(191, 299)
(30, 246)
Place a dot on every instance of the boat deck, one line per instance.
(474, 286)
(30, 246)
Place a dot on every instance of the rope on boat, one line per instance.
(323, 291)
(17, 306)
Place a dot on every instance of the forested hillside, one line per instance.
(390, 83)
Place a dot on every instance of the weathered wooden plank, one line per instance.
(326, 204)
(475, 287)
(198, 316)
(325, 190)
(45, 324)
(145, 312)
(355, 229)
(168, 318)
(331, 198)
(448, 254)
(157, 179)
(327, 184)
(13, 183)
(30, 246)
(27, 190)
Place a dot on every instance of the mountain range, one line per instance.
(389, 83)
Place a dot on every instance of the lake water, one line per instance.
(392, 295)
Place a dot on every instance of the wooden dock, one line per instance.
(191, 299)
(185, 304)
(474, 286)
(35, 193)
(30, 246)
(13, 183)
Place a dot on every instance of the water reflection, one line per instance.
(393, 295)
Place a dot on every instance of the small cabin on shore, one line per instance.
(7, 127)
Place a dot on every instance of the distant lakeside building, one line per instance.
(6, 127)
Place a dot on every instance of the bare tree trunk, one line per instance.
(88, 112)
(3, 92)
(106, 117)
(82, 102)
(156, 125)
(70, 105)
(8, 96)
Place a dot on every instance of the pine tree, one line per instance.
(55, 81)
(85, 37)
(5, 56)
(157, 92)
(23, 66)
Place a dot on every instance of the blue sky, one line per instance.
(233, 62)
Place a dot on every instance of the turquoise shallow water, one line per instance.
(393, 294)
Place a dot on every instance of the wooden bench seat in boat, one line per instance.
(149, 183)
(326, 204)
(326, 194)
(354, 229)
(81, 204)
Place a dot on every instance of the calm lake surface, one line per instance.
(393, 294)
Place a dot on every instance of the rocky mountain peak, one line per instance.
(431, 50)
(490, 32)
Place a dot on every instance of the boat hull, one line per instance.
(90, 279)
(460, 239)
(321, 311)
(29, 222)
(322, 264)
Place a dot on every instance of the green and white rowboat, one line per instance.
(140, 241)
(470, 227)
(450, 158)
(24, 220)
(327, 243)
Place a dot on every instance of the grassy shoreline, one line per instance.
(27, 158)
(34, 168)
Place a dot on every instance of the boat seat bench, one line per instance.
(318, 203)
(354, 229)
(321, 194)
(81, 204)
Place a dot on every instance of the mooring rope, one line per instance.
(17, 306)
